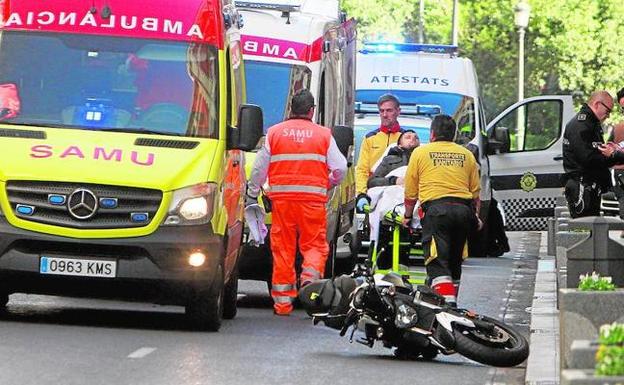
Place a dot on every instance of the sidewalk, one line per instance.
(543, 362)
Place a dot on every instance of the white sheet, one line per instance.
(388, 198)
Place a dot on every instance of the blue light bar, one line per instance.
(382, 47)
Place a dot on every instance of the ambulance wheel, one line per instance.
(230, 296)
(204, 310)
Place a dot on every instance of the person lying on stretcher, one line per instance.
(385, 186)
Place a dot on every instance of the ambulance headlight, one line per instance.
(192, 205)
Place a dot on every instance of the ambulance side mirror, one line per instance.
(344, 137)
(249, 131)
(499, 142)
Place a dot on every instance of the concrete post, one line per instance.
(597, 253)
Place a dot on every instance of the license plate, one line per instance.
(78, 267)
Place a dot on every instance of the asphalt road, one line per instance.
(54, 340)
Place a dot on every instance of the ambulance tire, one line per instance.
(230, 296)
(204, 310)
(335, 266)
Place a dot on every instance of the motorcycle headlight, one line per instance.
(405, 317)
(192, 205)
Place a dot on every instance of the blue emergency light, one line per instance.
(95, 113)
(383, 47)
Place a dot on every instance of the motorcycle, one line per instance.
(413, 319)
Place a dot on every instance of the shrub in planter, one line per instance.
(611, 334)
(610, 361)
(595, 282)
(610, 355)
(583, 310)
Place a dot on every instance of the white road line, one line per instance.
(140, 353)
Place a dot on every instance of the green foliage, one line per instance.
(595, 282)
(610, 361)
(610, 355)
(611, 334)
(572, 45)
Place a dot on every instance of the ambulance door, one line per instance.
(525, 156)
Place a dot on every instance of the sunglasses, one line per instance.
(606, 108)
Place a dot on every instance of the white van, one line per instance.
(521, 169)
(289, 45)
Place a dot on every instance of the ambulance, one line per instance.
(287, 46)
(519, 152)
(123, 127)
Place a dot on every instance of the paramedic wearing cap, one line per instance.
(375, 143)
(301, 160)
(444, 177)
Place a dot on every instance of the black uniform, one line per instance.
(587, 172)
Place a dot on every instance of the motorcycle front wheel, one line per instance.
(500, 346)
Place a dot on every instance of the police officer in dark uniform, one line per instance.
(587, 172)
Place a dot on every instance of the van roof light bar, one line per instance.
(406, 109)
(284, 8)
(383, 47)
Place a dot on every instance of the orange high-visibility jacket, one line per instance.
(298, 166)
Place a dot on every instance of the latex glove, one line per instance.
(362, 201)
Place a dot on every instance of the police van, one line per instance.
(519, 151)
(287, 46)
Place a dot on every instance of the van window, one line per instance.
(283, 80)
(533, 126)
(102, 82)
(460, 107)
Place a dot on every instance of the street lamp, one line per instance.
(522, 11)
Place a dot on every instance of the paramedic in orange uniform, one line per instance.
(302, 161)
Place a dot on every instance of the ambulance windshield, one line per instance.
(282, 79)
(110, 83)
(460, 107)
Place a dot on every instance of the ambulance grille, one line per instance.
(183, 144)
(49, 203)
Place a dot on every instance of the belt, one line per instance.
(447, 201)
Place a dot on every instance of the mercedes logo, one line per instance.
(82, 204)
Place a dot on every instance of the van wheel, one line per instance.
(205, 309)
(230, 296)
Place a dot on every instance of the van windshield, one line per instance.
(460, 107)
(271, 86)
(108, 83)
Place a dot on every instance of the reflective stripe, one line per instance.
(298, 188)
(283, 287)
(282, 299)
(312, 273)
(280, 157)
(441, 279)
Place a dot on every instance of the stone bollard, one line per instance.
(564, 241)
(551, 246)
(598, 252)
(583, 354)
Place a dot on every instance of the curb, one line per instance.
(543, 361)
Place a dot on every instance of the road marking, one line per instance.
(140, 353)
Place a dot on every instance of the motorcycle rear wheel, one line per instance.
(502, 347)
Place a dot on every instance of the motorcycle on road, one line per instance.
(413, 319)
